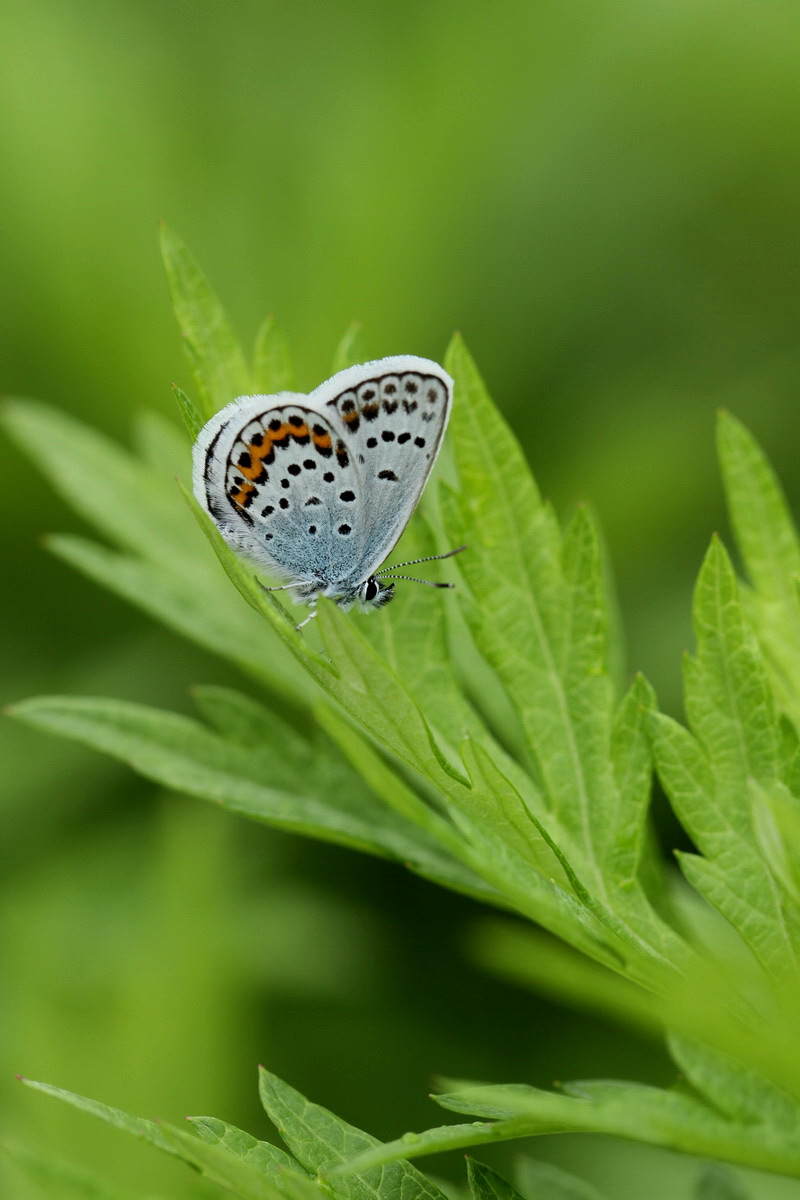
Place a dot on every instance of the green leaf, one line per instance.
(711, 778)
(139, 1127)
(223, 1166)
(204, 610)
(281, 778)
(543, 1181)
(350, 350)
(411, 637)
(759, 514)
(192, 417)
(770, 547)
(646, 1114)
(182, 754)
(321, 1140)
(734, 1088)
(125, 499)
(272, 362)
(214, 354)
(436, 1141)
(486, 1184)
(265, 1159)
(387, 783)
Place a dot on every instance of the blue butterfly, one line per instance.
(317, 489)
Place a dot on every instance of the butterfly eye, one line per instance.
(370, 590)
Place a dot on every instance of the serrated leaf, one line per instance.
(351, 349)
(386, 783)
(267, 1160)
(711, 777)
(321, 1141)
(538, 615)
(214, 354)
(411, 637)
(272, 361)
(217, 1162)
(486, 1184)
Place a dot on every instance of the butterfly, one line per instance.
(317, 489)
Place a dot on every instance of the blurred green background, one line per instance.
(604, 199)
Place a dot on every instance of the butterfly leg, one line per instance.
(310, 617)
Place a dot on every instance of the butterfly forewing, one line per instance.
(393, 413)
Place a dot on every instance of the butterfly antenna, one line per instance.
(413, 562)
(427, 582)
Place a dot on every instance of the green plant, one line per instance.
(489, 747)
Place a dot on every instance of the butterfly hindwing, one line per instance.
(280, 484)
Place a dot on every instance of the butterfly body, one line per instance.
(317, 489)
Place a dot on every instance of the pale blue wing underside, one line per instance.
(317, 489)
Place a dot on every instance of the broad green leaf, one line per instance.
(139, 1127)
(543, 1181)
(272, 362)
(321, 1141)
(486, 1184)
(214, 354)
(351, 349)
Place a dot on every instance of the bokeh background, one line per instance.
(604, 199)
